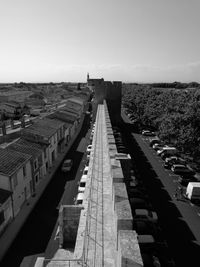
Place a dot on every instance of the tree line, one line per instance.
(173, 113)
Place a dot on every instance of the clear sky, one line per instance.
(127, 40)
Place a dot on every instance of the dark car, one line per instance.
(185, 179)
(154, 141)
(135, 192)
(145, 227)
(168, 155)
(181, 169)
(139, 203)
(147, 243)
(170, 161)
(150, 260)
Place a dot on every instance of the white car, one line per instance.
(81, 187)
(82, 183)
(89, 148)
(85, 171)
(88, 155)
(148, 133)
(79, 199)
(167, 149)
(158, 146)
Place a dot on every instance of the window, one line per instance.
(24, 171)
(45, 153)
(15, 183)
(36, 178)
(2, 218)
(35, 164)
(59, 134)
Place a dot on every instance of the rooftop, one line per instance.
(62, 116)
(27, 149)
(44, 127)
(23, 141)
(11, 160)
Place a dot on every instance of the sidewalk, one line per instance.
(14, 227)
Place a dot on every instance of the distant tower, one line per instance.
(88, 77)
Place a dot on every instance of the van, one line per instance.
(168, 150)
(79, 199)
(193, 191)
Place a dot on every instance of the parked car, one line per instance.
(82, 183)
(85, 171)
(185, 179)
(136, 192)
(154, 141)
(145, 227)
(168, 149)
(121, 149)
(181, 169)
(148, 133)
(89, 148)
(146, 215)
(118, 139)
(193, 192)
(88, 155)
(146, 243)
(170, 161)
(67, 165)
(150, 260)
(79, 199)
(139, 203)
(168, 155)
(158, 146)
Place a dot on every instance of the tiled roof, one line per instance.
(61, 116)
(35, 130)
(23, 141)
(25, 149)
(77, 100)
(11, 160)
(55, 124)
(72, 107)
(13, 103)
(69, 113)
(69, 117)
(4, 195)
(44, 127)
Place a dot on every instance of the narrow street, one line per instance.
(36, 232)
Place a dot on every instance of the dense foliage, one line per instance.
(174, 113)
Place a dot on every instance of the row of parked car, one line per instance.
(153, 247)
(83, 180)
(173, 161)
(152, 244)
